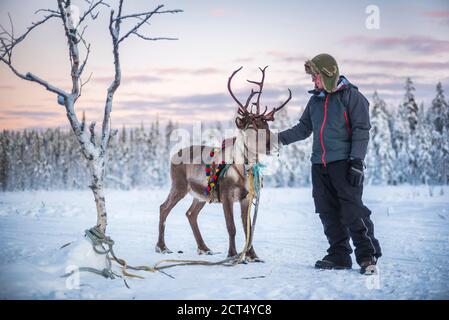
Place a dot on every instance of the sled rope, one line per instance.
(99, 240)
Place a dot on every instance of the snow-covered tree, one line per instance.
(439, 110)
(381, 154)
(401, 136)
(423, 153)
(409, 106)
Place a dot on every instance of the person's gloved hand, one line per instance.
(355, 173)
(273, 143)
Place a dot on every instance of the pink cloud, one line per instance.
(130, 78)
(277, 53)
(176, 70)
(243, 60)
(420, 44)
(426, 65)
(7, 87)
(218, 12)
(287, 56)
(439, 16)
(437, 13)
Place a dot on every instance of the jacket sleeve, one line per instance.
(358, 109)
(300, 131)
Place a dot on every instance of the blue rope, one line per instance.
(258, 174)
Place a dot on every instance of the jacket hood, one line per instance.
(342, 84)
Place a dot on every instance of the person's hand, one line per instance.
(355, 173)
(273, 142)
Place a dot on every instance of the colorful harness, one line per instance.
(212, 173)
(215, 172)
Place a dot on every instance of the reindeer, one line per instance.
(187, 175)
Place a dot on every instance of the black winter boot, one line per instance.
(368, 267)
(333, 261)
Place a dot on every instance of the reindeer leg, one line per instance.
(251, 254)
(192, 215)
(173, 198)
(230, 225)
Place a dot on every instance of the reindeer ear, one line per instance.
(270, 116)
(239, 123)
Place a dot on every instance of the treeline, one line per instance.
(51, 159)
(409, 144)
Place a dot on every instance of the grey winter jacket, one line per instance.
(339, 122)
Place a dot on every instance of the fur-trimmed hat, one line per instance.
(325, 65)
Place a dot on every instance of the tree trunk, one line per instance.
(96, 166)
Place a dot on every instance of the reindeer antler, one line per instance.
(260, 84)
(270, 115)
(243, 109)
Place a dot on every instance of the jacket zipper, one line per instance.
(348, 127)
(321, 131)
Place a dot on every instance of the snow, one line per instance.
(411, 225)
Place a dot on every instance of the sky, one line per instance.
(186, 80)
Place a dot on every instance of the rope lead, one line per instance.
(99, 240)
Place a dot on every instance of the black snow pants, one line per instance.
(342, 212)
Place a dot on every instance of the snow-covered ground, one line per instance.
(413, 229)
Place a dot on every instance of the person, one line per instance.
(338, 116)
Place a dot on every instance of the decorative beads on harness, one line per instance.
(212, 174)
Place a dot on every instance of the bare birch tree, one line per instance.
(93, 148)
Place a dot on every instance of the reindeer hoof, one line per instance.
(207, 252)
(163, 251)
(254, 259)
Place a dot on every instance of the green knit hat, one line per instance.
(325, 65)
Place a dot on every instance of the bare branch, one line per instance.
(82, 84)
(70, 32)
(145, 17)
(136, 15)
(81, 69)
(8, 47)
(146, 22)
(85, 82)
(81, 35)
(47, 10)
(138, 25)
(12, 27)
(89, 11)
(153, 39)
(31, 77)
(114, 30)
(5, 31)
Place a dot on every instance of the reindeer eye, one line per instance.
(239, 123)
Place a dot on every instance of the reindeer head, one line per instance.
(255, 120)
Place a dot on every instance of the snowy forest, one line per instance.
(409, 144)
